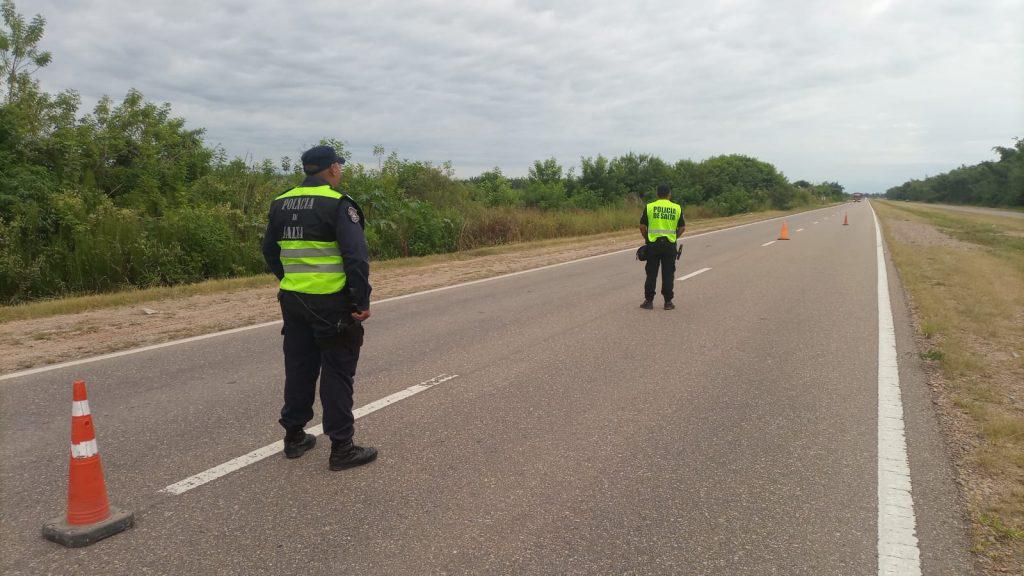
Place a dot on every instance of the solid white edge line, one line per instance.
(234, 464)
(768, 243)
(69, 363)
(898, 553)
(692, 274)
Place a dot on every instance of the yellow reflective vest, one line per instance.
(663, 219)
(310, 254)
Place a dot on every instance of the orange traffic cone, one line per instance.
(90, 517)
(784, 235)
(846, 219)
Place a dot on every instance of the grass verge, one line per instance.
(964, 274)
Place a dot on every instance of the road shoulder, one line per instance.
(942, 521)
(963, 297)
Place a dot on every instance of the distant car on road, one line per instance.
(857, 196)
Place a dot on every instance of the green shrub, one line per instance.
(128, 196)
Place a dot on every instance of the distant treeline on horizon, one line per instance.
(128, 197)
(998, 183)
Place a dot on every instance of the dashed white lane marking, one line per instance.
(68, 364)
(269, 450)
(898, 553)
(692, 274)
(815, 222)
(799, 229)
(768, 243)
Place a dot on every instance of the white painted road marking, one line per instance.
(70, 363)
(768, 243)
(799, 229)
(692, 274)
(815, 222)
(269, 450)
(897, 544)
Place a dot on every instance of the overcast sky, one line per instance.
(869, 93)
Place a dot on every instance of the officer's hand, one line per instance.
(360, 316)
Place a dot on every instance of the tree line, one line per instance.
(127, 195)
(998, 183)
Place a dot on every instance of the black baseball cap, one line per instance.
(319, 158)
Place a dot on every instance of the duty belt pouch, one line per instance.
(349, 335)
(641, 253)
(333, 324)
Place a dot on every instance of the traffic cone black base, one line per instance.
(75, 536)
(90, 517)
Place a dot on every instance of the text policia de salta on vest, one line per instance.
(663, 220)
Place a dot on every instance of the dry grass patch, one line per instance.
(964, 273)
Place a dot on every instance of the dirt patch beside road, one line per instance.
(27, 343)
(918, 234)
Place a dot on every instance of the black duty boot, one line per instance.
(669, 305)
(648, 305)
(348, 455)
(297, 442)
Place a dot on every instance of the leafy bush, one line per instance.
(128, 196)
(733, 200)
(545, 195)
(999, 183)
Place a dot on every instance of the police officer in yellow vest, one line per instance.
(315, 246)
(661, 225)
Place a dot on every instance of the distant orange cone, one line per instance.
(784, 235)
(89, 517)
(846, 219)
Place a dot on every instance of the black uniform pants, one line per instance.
(315, 344)
(660, 254)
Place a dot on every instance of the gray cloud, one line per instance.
(867, 93)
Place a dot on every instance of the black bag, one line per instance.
(349, 335)
(641, 253)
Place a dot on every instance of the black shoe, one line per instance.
(669, 305)
(648, 305)
(349, 455)
(297, 442)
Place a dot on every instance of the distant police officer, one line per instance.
(661, 225)
(315, 246)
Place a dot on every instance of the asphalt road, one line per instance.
(582, 435)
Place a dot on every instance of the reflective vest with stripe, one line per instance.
(312, 263)
(663, 219)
